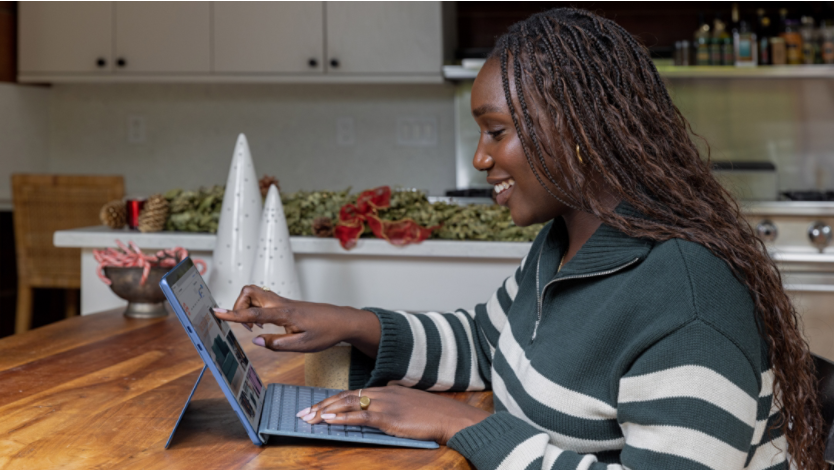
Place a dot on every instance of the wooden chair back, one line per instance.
(46, 203)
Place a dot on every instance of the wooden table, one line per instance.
(104, 391)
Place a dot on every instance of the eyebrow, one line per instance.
(487, 108)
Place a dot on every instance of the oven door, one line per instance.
(809, 281)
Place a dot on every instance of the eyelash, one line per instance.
(495, 134)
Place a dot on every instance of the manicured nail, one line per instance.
(260, 325)
(308, 417)
(259, 341)
(247, 326)
(220, 310)
(302, 412)
(328, 416)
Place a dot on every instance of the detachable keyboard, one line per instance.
(282, 402)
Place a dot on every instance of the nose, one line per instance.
(482, 161)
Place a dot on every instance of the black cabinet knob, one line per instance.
(101, 62)
(313, 63)
(121, 62)
(334, 63)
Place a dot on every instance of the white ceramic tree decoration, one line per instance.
(274, 265)
(237, 229)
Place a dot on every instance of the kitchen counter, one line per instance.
(433, 275)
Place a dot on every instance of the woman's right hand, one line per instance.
(310, 327)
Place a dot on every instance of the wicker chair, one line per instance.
(42, 205)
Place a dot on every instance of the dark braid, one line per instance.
(581, 80)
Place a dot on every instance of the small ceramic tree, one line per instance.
(237, 230)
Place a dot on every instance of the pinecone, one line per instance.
(114, 214)
(323, 227)
(267, 181)
(154, 214)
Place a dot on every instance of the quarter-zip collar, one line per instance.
(607, 249)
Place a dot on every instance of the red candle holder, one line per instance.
(134, 208)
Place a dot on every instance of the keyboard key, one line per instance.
(357, 435)
(370, 430)
(353, 428)
(320, 429)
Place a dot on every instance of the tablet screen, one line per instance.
(220, 342)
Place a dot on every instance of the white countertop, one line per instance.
(101, 237)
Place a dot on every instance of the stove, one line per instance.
(798, 236)
(809, 195)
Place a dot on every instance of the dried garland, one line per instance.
(307, 213)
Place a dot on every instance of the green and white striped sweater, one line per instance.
(646, 356)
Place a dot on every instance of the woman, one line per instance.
(646, 328)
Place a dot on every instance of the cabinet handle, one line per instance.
(313, 63)
(334, 63)
(101, 62)
(121, 62)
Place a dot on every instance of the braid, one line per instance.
(602, 93)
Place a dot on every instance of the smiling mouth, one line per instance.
(504, 185)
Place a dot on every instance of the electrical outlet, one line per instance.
(417, 131)
(135, 130)
(345, 136)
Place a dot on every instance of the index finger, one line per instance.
(327, 401)
(250, 296)
(246, 315)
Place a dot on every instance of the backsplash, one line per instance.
(191, 129)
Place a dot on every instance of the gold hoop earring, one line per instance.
(578, 155)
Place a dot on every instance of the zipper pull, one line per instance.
(535, 328)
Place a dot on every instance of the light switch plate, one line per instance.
(136, 130)
(345, 135)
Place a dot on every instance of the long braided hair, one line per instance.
(593, 109)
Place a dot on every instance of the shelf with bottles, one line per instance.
(804, 44)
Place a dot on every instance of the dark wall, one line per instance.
(8, 41)
(657, 24)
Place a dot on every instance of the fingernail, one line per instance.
(308, 417)
(220, 310)
(247, 326)
(260, 325)
(302, 412)
(259, 341)
(328, 416)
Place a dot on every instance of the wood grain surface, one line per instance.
(104, 391)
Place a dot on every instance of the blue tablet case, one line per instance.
(281, 401)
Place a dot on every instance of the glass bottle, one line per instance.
(701, 42)
(763, 35)
(827, 42)
(745, 45)
(719, 35)
(809, 43)
(793, 42)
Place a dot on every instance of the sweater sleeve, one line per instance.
(437, 351)
(688, 402)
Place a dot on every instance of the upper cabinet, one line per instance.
(269, 37)
(384, 38)
(231, 41)
(65, 37)
(163, 37)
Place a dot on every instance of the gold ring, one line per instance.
(364, 402)
(265, 288)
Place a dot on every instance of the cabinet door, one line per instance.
(384, 37)
(268, 37)
(65, 37)
(163, 37)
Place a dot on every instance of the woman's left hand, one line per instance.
(398, 411)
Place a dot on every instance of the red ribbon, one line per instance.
(352, 218)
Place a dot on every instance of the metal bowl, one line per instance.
(144, 301)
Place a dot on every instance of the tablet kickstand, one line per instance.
(187, 402)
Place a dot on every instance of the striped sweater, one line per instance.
(635, 355)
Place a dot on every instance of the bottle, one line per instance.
(685, 57)
(763, 34)
(719, 35)
(734, 19)
(701, 42)
(778, 54)
(827, 42)
(809, 43)
(793, 42)
(745, 45)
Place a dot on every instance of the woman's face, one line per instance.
(500, 153)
